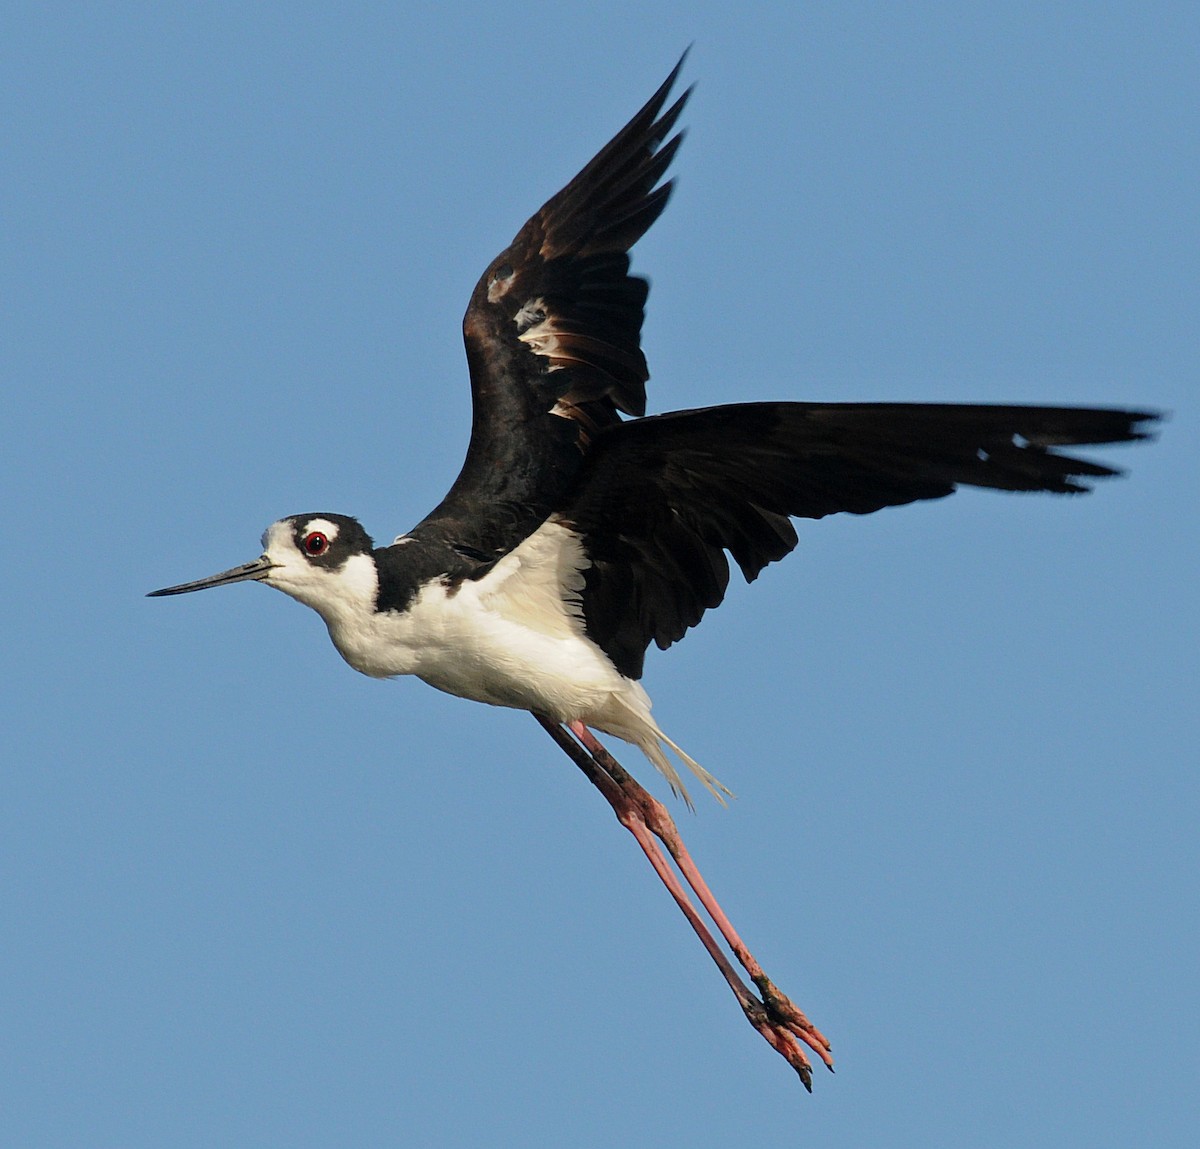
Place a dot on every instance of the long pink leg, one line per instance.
(774, 1015)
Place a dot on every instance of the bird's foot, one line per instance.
(781, 1022)
(772, 1013)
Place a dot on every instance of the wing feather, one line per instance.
(553, 336)
(662, 500)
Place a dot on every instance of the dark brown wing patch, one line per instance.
(553, 337)
(562, 288)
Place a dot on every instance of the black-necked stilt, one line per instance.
(573, 538)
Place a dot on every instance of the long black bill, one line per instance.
(256, 570)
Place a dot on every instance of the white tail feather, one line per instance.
(652, 748)
(628, 717)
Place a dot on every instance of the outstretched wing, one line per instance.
(553, 334)
(662, 499)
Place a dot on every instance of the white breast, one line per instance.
(513, 638)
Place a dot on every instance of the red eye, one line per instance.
(315, 544)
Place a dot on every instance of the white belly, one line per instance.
(513, 638)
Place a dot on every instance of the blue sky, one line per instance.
(251, 898)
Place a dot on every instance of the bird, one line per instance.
(581, 530)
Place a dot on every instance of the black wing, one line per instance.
(662, 499)
(553, 335)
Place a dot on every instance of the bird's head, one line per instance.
(323, 560)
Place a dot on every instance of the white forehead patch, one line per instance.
(276, 533)
(279, 537)
(328, 529)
